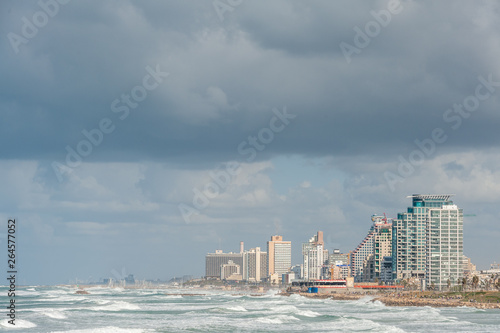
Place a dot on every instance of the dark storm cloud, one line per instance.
(263, 55)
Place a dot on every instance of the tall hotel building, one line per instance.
(214, 262)
(254, 265)
(444, 246)
(315, 257)
(279, 255)
(365, 248)
(428, 241)
(373, 265)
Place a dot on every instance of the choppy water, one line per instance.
(58, 309)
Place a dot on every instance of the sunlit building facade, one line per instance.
(428, 241)
(279, 254)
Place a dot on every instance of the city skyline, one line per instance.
(379, 223)
(424, 242)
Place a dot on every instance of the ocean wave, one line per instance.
(28, 293)
(347, 323)
(107, 329)
(285, 308)
(227, 309)
(102, 301)
(292, 309)
(237, 308)
(65, 299)
(279, 319)
(54, 314)
(116, 306)
(308, 313)
(58, 292)
(51, 313)
(19, 323)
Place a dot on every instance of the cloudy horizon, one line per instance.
(140, 135)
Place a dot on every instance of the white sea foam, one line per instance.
(65, 298)
(285, 309)
(346, 323)
(102, 301)
(292, 309)
(51, 313)
(27, 293)
(108, 329)
(55, 314)
(279, 319)
(19, 323)
(116, 306)
(308, 313)
(224, 312)
(233, 296)
(58, 292)
(237, 308)
(364, 299)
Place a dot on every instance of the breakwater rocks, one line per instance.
(403, 300)
(407, 301)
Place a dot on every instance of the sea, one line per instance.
(118, 310)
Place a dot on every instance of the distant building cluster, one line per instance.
(253, 265)
(424, 244)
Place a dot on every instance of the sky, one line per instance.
(137, 136)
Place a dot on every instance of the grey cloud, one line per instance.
(225, 77)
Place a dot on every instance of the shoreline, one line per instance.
(402, 300)
(405, 298)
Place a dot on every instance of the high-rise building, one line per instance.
(254, 265)
(315, 257)
(366, 247)
(279, 254)
(427, 240)
(444, 246)
(382, 247)
(214, 262)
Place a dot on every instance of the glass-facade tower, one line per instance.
(444, 247)
(422, 239)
